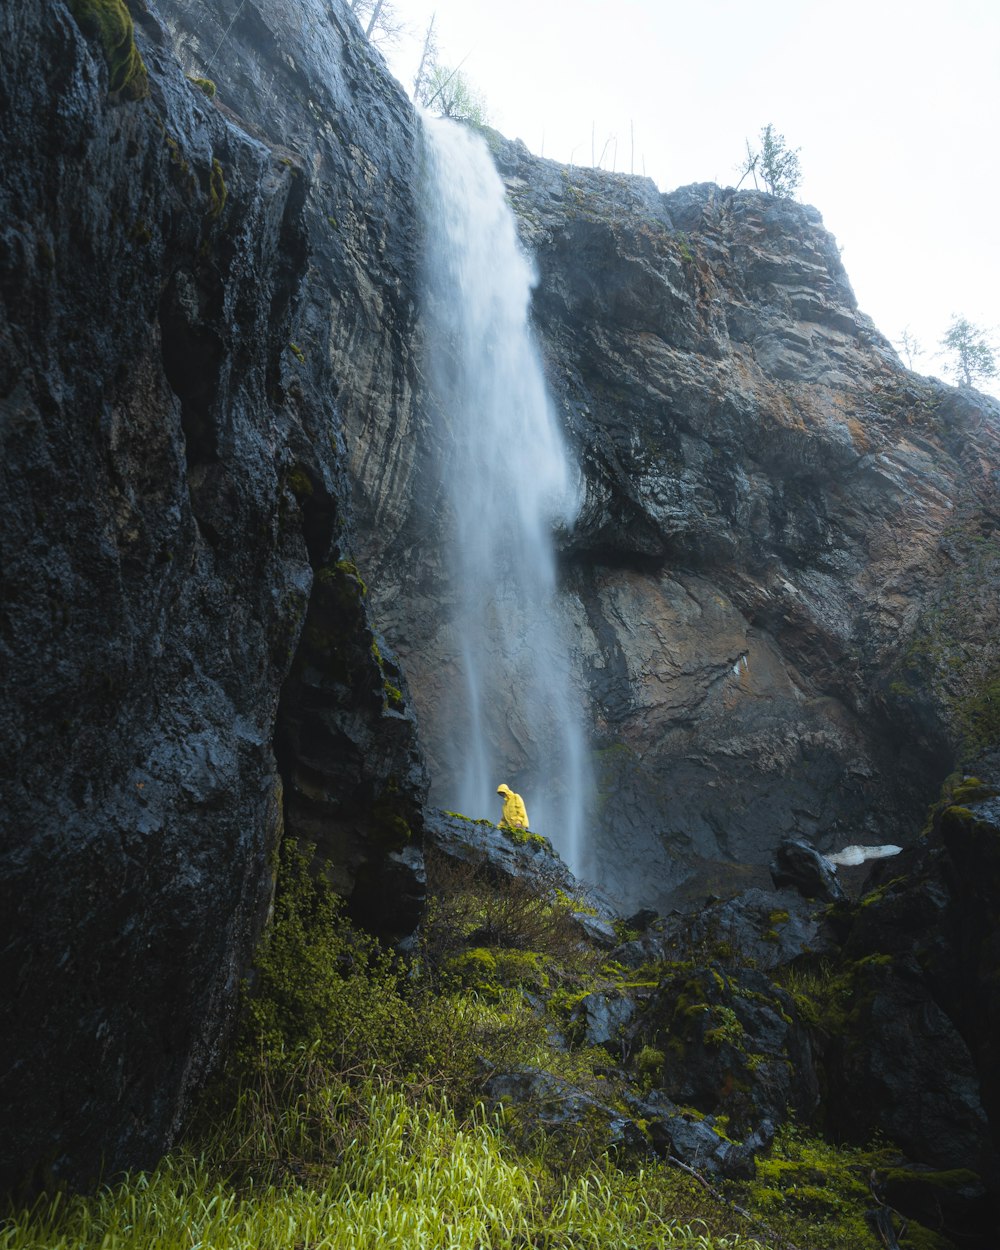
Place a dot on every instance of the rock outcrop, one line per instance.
(930, 1006)
(174, 524)
(782, 582)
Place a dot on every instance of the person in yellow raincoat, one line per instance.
(514, 812)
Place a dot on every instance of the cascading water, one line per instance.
(515, 715)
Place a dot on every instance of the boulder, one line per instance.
(563, 1110)
(801, 867)
(727, 1041)
(765, 929)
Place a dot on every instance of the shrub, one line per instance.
(321, 986)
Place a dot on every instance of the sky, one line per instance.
(895, 108)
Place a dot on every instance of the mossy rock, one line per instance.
(959, 819)
(978, 716)
(971, 790)
(393, 695)
(110, 22)
(470, 820)
(205, 85)
(218, 192)
(917, 1237)
(300, 483)
(331, 575)
(525, 837)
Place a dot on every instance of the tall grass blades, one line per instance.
(411, 1177)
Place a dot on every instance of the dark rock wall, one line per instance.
(927, 1022)
(173, 515)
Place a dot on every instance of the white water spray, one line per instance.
(508, 480)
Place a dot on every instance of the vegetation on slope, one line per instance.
(352, 1113)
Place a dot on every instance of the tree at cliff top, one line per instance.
(777, 164)
(970, 354)
(910, 346)
(428, 58)
(380, 20)
(450, 94)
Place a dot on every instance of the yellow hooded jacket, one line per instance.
(514, 812)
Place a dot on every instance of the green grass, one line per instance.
(351, 1113)
(403, 1174)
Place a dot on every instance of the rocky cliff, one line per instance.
(179, 610)
(217, 585)
(782, 584)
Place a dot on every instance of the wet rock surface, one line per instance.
(506, 856)
(765, 929)
(801, 867)
(778, 587)
(855, 1017)
(173, 489)
(927, 1004)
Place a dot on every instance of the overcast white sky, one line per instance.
(895, 106)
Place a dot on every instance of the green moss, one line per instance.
(979, 717)
(649, 1063)
(470, 819)
(822, 993)
(110, 23)
(217, 191)
(956, 815)
(680, 238)
(203, 84)
(300, 484)
(475, 969)
(393, 694)
(971, 790)
(876, 896)
(917, 1237)
(949, 1179)
(346, 568)
(726, 1028)
(525, 837)
(874, 961)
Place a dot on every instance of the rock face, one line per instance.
(173, 524)
(929, 1005)
(782, 582)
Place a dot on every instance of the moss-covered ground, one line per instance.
(352, 1115)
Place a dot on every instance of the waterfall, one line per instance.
(514, 714)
